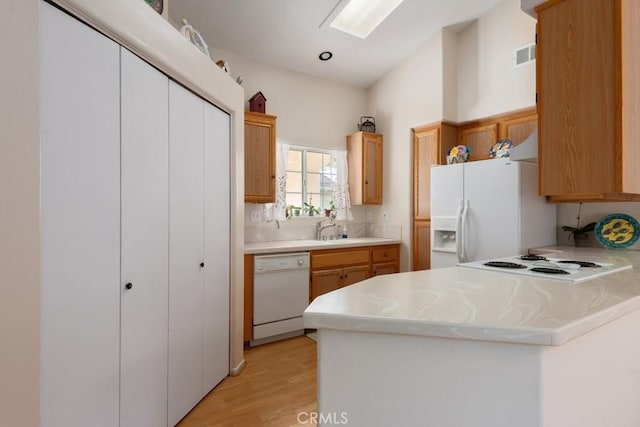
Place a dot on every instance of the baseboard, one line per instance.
(238, 369)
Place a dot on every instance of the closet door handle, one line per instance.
(202, 265)
(129, 285)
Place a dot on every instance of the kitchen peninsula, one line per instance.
(465, 347)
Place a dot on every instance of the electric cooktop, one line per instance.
(571, 270)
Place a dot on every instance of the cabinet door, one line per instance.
(372, 147)
(355, 274)
(421, 245)
(480, 139)
(259, 158)
(323, 281)
(384, 268)
(217, 204)
(518, 129)
(80, 182)
(426, 153)
(186, 230)
(145, 247)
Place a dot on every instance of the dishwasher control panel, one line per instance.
(279, 262)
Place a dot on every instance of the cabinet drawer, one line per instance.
(385, 254)
(323, 259)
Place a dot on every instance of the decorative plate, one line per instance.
(617, 231)
(501, 148)
(156, 5)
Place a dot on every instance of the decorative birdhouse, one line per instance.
(258, 103)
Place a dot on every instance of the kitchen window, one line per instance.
(311, 177)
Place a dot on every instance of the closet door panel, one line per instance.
(145, 243)
(217, 205)
(80, 128)
(186, 229)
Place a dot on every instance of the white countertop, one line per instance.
(459, 302)
(310, 244)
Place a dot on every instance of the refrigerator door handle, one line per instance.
(463, 231)
(459, 231)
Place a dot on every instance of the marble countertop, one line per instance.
(310, 244)
(459, 302)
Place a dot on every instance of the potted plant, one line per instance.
(293, 210)
(309, 209)
(580, 234)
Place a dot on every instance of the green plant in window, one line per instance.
(309, 209)
(293, 210)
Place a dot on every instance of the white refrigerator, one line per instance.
(487, 209)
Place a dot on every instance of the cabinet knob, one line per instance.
(129, 285)
(202, 265)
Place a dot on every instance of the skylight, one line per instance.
(360, 17)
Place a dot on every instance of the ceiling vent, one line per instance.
(524, 55)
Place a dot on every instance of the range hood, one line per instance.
(527, 150)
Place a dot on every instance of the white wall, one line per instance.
(411, 94)
(592, 212)
(488, 83)
(311, 111)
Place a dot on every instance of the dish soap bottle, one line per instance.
(344, 232)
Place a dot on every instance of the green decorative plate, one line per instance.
(617, 231)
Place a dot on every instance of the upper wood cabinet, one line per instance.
(364, 158)
(518, 126)
(259, 158)
(479, 139)
(588, 82)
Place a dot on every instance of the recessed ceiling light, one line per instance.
(360, 17)
(325, 56)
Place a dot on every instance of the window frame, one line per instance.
(304, 176)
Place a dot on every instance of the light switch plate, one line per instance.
(255, 216)
(369, 216)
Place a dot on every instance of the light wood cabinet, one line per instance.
(385, 260)
(479, 139)
(421, 245)
(332, 269)
(430, 145)
(323, 281)
(518, 127)
(259, 158)
(364, 157)
(588, 109)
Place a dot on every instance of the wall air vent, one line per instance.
(524, 55)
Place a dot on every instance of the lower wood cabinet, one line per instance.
(323, 281)
(333, 269)
(385, 260)
(421, 245)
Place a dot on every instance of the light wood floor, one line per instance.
(278, 383)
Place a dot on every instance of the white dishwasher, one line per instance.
(280, 295)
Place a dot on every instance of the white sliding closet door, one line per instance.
(186, 241)
(145, 244)
(80, 131)
(216, 246)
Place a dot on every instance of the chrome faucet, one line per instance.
(320, 228)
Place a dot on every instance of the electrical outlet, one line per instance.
(255, 216)
(384, 216)
(369, 216)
